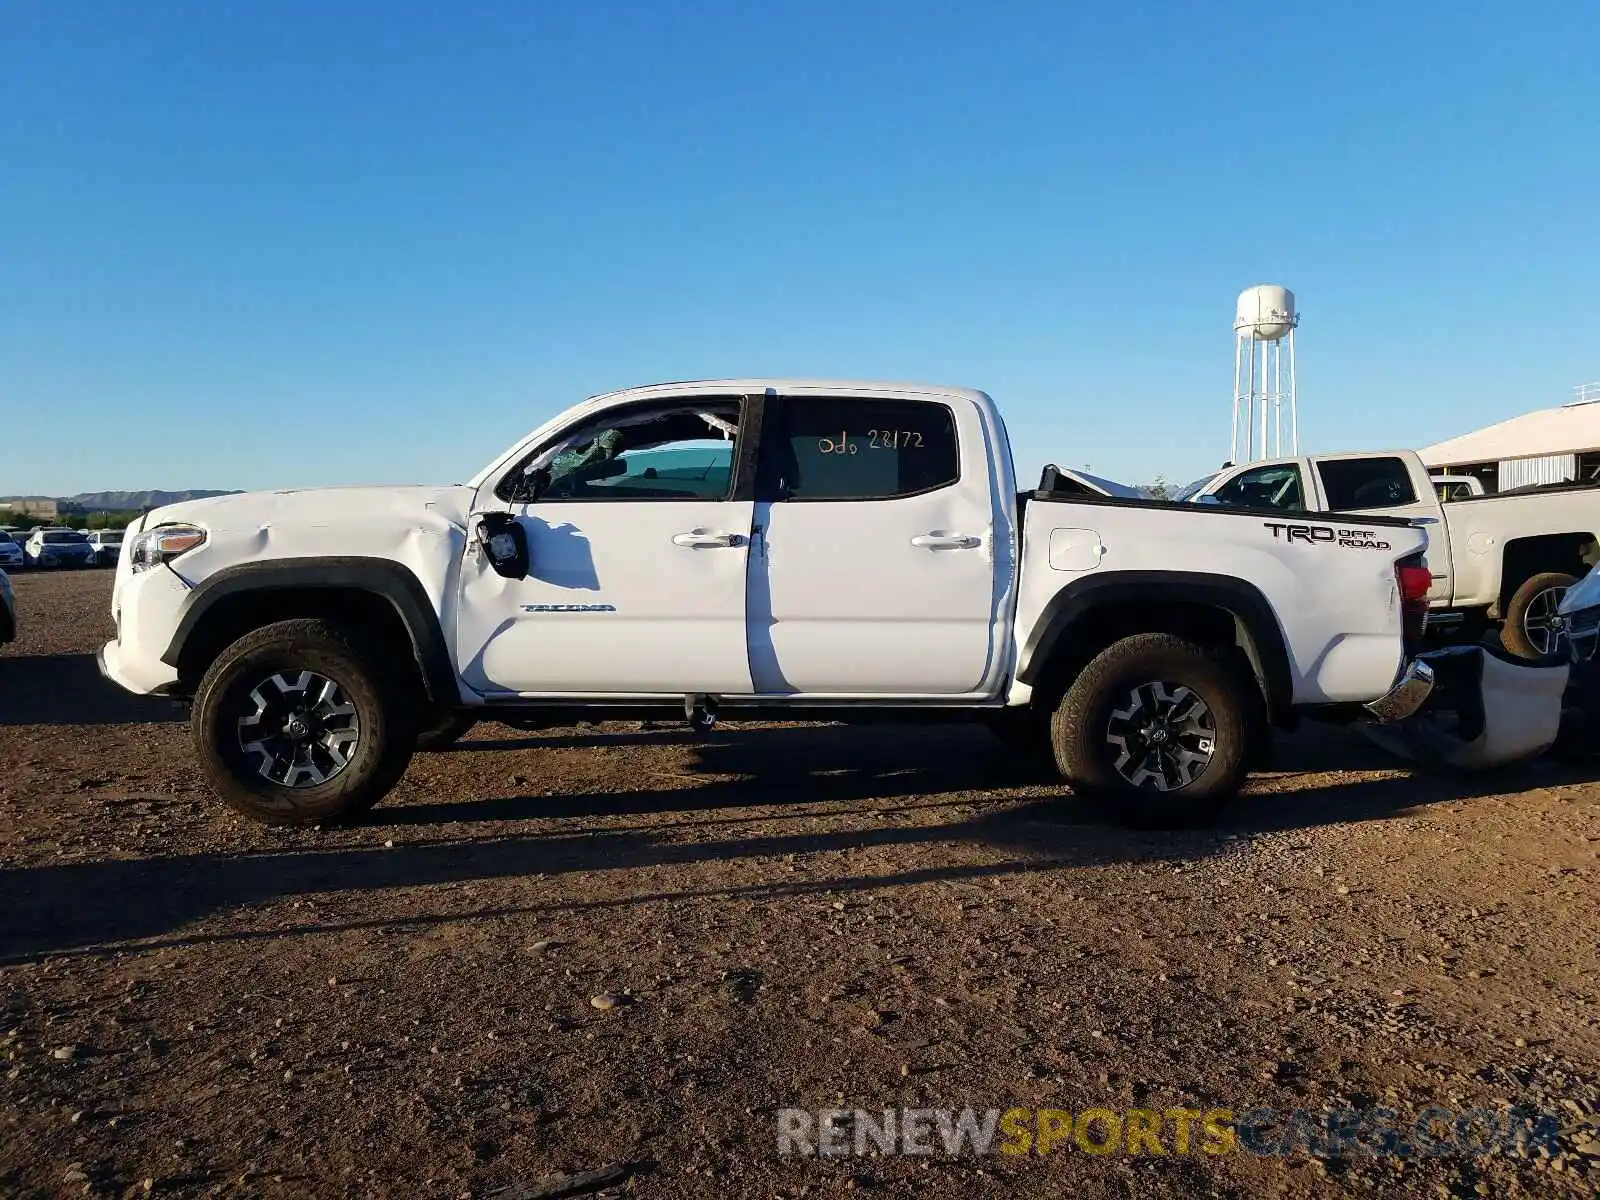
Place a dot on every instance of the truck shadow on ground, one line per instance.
(1006, 829)
(68, 689)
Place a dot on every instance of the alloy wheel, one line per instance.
(300, 729)
(1164, 735)
(1542, 623)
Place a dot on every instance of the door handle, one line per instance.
(705, 539)
(946, 541)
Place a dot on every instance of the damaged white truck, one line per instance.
(761, 549)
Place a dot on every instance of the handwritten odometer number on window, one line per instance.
(894, 439)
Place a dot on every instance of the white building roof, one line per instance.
(1570, 429)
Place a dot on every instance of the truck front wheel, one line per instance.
(1155, 730)
(296, 723)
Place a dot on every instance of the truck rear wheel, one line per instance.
(298, 724)
(1155, 731)
(1533, 629)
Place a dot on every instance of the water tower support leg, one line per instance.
(1277, 400)
(1233, 438)
(1294, 402)
(1263, 393)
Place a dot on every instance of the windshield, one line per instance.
(4, 537)
(57, 536)
(1194, 489)
(109, 539)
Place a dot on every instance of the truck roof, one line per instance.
(750, 385)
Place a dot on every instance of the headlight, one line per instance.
(163, 544)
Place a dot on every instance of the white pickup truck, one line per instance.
(1505, 559)
(765, 549)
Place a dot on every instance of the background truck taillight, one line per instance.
(1414, 580)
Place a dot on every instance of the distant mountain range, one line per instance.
(94, 501)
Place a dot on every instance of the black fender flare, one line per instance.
(392, 581)
(1258, 631)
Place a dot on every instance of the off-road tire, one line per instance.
(441, 730)
(1087, 760)
(1512, 634)
(385, 704)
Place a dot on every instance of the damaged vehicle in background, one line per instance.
(1490, 708)
(1579, 616)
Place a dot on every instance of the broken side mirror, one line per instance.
(505, 544)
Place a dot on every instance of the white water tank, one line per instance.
(1265, 311)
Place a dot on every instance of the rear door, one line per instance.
(1384, 485)
(873, 568)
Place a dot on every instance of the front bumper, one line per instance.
(1406, 696)
(146, 609)
(136, 674)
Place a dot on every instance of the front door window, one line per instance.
(1277, 486)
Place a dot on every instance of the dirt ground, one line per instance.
(811, 917)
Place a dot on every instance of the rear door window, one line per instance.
(1353, 484)
(842, 448)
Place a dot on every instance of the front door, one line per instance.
(636, 577)
(874, 567)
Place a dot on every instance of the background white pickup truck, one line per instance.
(1498, 558)
(765, 548)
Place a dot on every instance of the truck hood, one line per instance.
(312, 507)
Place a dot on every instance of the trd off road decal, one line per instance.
(568, 608)
(1353, 539)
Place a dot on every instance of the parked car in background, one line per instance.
(58, 548)
(10, 551)
(107, 546)
(1457, 487)
(8, 610)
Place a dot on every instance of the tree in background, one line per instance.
(1160, 489)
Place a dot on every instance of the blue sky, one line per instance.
(296, 243)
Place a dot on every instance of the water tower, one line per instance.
(1263, 346)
